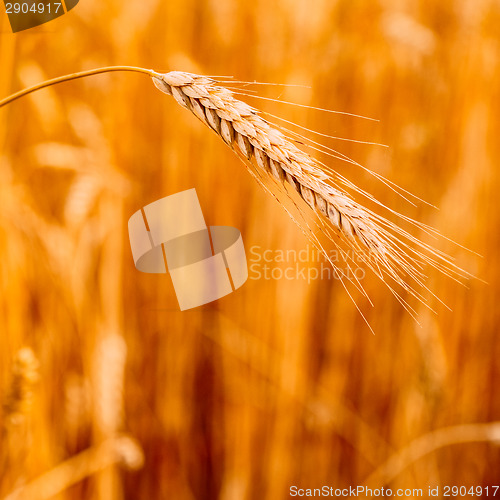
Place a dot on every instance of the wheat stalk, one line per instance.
(118, 450)
(391, 252)
(428, 443)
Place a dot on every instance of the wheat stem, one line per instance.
(74, 76)
(122, 450)
(422, 446)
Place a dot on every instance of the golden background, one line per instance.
(280, 383)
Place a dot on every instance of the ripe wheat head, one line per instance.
(386, 248)
(272, 155)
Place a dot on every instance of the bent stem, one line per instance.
(74, 76)
(458, 434)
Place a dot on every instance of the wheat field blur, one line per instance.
(109, 392)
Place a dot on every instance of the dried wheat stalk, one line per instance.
(270, 153)
(108, 373)
(119, 450)
(385, 247)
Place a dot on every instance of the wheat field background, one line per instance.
(280, 383)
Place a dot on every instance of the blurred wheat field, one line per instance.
(280, 383)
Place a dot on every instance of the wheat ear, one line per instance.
(240, 125)
(384, 246)
(25, 375)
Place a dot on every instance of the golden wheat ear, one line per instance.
(271, 154)
(239, 125)
(391, 252)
